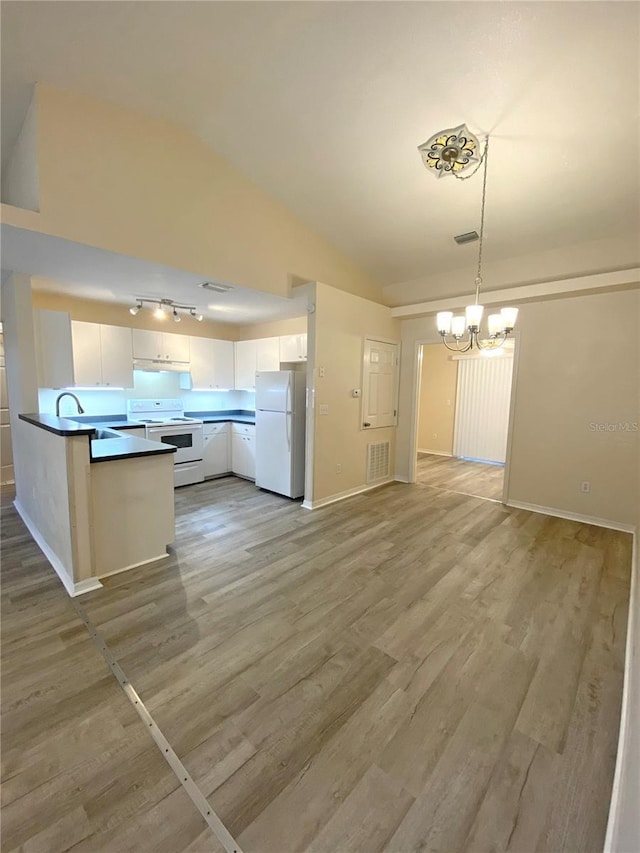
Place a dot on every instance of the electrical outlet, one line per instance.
(321, 373)
(324, 409)
(338, 468)
(585, 486)
(435, 434)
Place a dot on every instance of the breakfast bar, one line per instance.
(101, 501)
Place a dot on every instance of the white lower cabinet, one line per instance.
(243, 450)
(216, 451)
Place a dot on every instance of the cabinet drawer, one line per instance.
(215, 429)
(243, 429)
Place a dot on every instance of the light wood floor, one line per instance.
(407, 670)
(480, 479)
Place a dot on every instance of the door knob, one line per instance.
(366, 424)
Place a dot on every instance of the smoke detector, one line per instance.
(217, 288)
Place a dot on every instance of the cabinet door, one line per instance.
(245, 365)
(54, 349)
(267, 354)
(238, 455)
(175, 347)
(250, 456)
(87, 360)
(147, 344)
(116, 350)
(223, 365)
(216, 454)
(288, 348)
(302, 346)
(201, 364)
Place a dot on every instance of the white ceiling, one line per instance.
(62, 266)
(324, 104)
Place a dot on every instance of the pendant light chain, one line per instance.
(484, 196)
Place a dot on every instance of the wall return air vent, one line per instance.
(378, 461)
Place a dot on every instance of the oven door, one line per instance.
(187, 439)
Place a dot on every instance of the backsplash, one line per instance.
(146, 384)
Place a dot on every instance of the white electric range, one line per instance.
(165, 421)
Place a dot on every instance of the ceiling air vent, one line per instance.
(218, 288)
(469, 237)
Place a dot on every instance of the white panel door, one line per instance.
(482, 408)
(380, 384)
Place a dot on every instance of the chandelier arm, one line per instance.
(493, 343)
(465, 348)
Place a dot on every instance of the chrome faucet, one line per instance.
(68, 394)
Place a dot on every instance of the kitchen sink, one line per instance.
(107, 433)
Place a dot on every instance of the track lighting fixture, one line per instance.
(164, 308)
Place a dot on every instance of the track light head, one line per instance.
(134, 310)
(176, 316)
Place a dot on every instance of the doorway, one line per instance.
(463, 417)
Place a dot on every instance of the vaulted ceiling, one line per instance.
(324, 104)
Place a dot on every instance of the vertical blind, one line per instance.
(482, 408)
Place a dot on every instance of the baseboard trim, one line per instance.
(434, 452)
(162, 556)
(573, 516)
(72, 588)
(612, 839)
(341, 496)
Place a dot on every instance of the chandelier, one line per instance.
(164, 308)
(454, 152)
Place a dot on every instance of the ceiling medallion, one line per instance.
(450, 152)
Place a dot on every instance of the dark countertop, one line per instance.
(58, 426)
(237, 416)
(100, 450)
(112, 421)
(110, 449)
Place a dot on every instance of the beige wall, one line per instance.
(111, 314)
(577, 367)
(341, 322)
(437, 400)
(113, 178)
(20, 176)
(290, 326)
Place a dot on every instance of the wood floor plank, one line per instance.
(411, 669)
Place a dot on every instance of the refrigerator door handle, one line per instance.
(287, 417)
(287, 405)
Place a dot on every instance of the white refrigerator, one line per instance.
(280, 431)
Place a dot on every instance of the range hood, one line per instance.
(153, 365)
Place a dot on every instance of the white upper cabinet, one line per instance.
(54, 352)
(293, 348)
(161, 346)
(245, 365)
(211, 364)
(116, 348)
(261, 354)
(102, 355)
(268, 354)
